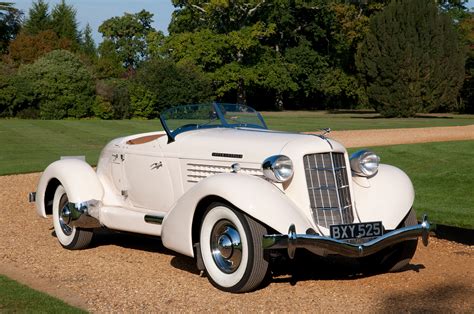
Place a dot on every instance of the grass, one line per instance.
(30, 145)
(443, 177)
(17, 298)
(313, 120)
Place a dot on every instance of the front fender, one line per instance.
(76, 176)
(253, 195)
(387, 196)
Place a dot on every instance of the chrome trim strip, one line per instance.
(294, 240)
(324, 138)
(228, 155)
(158, 220)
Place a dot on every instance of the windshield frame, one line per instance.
(221, 117)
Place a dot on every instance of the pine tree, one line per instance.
(87, 43)
(64, 21)
(411, 59)
(39, 18)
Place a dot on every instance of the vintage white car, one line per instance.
(219, 186)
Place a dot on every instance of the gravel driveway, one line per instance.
(123, 273)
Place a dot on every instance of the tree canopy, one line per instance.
(10, 24)
(411, 59)
(128, 35)
(39, 18)
(400, 57)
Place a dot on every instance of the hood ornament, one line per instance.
(326, 131)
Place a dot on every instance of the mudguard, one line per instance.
(387, 196)
(78, 178)
(253, 195)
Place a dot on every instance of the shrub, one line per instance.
(60, 84)
(142, 102)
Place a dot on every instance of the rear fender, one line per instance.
(76, 176)
(387, 196)
(253, 195)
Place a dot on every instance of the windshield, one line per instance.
(191, 117)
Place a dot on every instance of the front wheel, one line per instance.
(70, 237)
(231, 249)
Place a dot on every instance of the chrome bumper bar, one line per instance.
(294, 240)
(78, 214)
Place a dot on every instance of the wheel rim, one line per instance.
(226, 246)
(64, 216)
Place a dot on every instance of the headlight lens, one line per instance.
(365, 163)
(278, 168)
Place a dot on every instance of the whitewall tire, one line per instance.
(231, 249)
(70, 237)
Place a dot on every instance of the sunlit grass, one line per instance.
(443, 177)
(17, 298)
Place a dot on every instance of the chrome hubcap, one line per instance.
(65, 216)
(226, 246)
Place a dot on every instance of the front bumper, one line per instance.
(308, 241)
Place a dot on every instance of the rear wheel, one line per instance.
(70, 237)
(231, 249)
(396, 257)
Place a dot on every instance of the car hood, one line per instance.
(247, 145)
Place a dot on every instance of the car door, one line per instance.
(148, 180)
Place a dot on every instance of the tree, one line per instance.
(87, 43)
(39, 19)
(60, 85)
(128, 35)
(109, 64)
(6, 6)
(10, 24)
(161, 83)
(27, 48)
(411, 59)
(244, 45)
(64, 22)
(466, 27)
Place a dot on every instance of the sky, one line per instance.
(95, 12)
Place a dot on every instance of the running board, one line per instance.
(122, 219)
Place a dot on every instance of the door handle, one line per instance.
(156, 165)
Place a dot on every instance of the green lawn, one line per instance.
(443, 176)
(313, 120)
(30, 145)
(17, 298)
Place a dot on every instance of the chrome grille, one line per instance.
(328, 188)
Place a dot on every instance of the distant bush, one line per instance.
(142, 102)
(59, 85)
(113, 100)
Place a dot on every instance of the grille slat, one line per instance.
(197, 171)
(328, 188)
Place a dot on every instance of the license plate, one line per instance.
(356, 231)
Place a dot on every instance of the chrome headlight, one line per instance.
(365, 163)
(278, 168)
